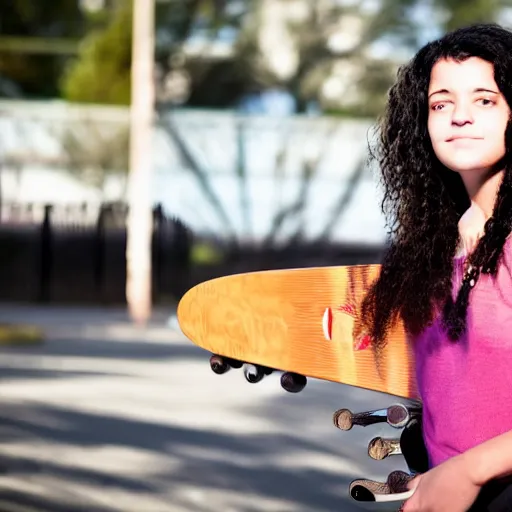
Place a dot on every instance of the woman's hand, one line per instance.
(471, 227)
(449, 487)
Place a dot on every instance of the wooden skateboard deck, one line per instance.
(304, 321)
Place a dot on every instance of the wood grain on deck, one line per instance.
(274, 318)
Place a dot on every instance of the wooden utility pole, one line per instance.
(140, 222)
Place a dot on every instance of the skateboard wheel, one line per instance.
(398, 415)
(343, 419)
(219, 365)
(391, 490)
(234, 363)
(361, 493)
(293, 382)
(379, 448)
(398, 480)
(253, 373)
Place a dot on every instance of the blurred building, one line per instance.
(223, 174)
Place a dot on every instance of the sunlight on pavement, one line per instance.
(108, 417)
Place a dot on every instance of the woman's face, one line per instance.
(467, 115)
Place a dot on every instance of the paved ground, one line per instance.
(106, 417)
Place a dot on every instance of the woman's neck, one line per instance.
(483, 189)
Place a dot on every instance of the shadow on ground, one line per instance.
(206, 459)
(220, 443)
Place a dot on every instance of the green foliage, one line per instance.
(101, 73)
(205, 254)
(464, 12)
(31, 74)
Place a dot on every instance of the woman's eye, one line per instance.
(486, 101)
(437, 106)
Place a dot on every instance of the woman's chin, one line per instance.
(469, 167)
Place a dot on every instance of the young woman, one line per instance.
(445, 155)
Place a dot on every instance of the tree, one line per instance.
(457, 13)
(101, 73)
(30, 73)
(214, 81)
(318, 52)
(408, 23)
(319, 72)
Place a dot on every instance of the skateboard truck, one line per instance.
(291, 382)
(410, 444)
(396, 415)
(253, 373)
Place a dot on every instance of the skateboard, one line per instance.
(304, 322)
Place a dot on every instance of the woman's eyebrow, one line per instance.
(478, 89)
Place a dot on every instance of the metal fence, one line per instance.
(75, 253)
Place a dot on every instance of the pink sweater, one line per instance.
(466, 386)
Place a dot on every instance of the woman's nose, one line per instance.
(462, 115)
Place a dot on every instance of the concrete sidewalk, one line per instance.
(107, 417)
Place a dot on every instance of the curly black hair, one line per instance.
(424, 200)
